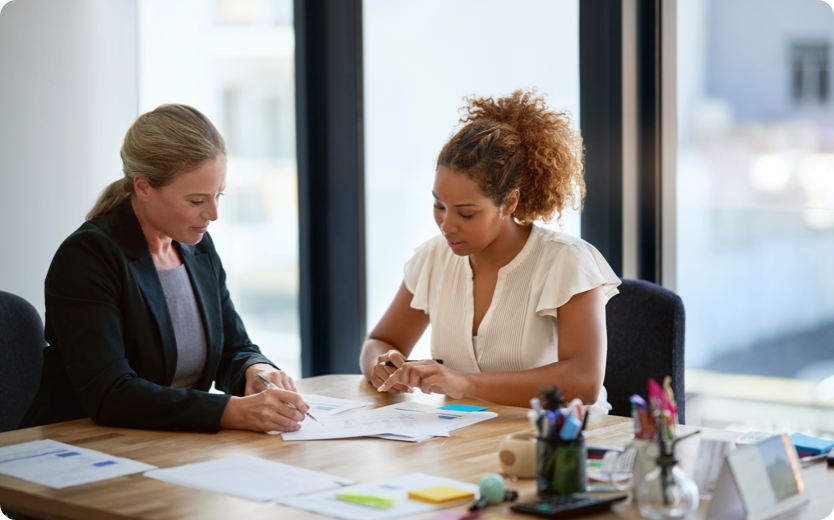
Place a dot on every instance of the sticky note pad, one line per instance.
(812, 445)
(463, 408)
(441, 495)
(367, 500)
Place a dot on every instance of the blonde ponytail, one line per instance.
(110, 197)
(160, 145)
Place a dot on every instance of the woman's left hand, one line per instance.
(278, 378)
(430, 376)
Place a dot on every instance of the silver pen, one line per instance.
(269, 384)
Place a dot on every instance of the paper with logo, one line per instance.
(58, 465)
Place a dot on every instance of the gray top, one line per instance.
(188, 326)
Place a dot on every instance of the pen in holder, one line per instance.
(560, 446)
(560, 466)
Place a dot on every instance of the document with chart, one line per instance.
(323, 406)
(58, 465)
(452, 419)
(370, 423)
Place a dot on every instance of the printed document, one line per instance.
(323, 406)
(397, 488)
(250, 477)
(452, 419)
(370, 423)
(58, 465)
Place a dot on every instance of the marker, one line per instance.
(269, 384)
(390, 364)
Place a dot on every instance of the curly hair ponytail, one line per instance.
(517, 142)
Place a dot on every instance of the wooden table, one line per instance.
(466, 455)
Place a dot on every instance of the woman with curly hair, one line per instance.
(513, 306)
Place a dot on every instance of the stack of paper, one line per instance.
(452, 420)
(249, 477)
(58, 465)
(396, 488)
(323, 406)
(411, 421)
(370, 423)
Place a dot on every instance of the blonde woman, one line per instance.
(138, 318)
(513, 306)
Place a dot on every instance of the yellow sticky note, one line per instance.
(441, 495)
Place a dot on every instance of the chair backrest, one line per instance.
(645, 325)
(21, 358)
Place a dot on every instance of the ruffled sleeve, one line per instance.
(418, 274)
(579, 267)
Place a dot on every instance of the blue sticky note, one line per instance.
(463, 408)
(812, 445)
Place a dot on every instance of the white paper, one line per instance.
(323, 406)
(365, 424)
(58, 465)
(396, 488)
(754, 437)
(452, 418)
(250, 477)
(708, 465)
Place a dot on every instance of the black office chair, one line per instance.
(21, 361)
(21, 358)
(645, 325)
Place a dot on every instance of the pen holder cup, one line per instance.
(560, 466)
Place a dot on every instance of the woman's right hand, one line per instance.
(265, 411)
(381, 372)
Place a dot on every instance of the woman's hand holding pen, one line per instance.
(272, 409)
(381, 372)
(265, 409)
(277, 377)
(430, 377)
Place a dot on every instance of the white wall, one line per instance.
(67, 97)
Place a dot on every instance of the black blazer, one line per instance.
(112, 353)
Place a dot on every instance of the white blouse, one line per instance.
(520, 328)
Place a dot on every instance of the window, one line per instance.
(755, 215)
(421, 59)
(809, 65)
(234, 61)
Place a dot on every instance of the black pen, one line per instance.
(390, 364)
(269, 384)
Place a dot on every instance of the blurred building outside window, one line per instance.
(755, 202)
(234, 61)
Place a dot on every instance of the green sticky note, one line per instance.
(367, 500)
